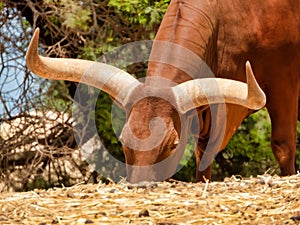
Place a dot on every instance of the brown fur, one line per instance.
(225, 34)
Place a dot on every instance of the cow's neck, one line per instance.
(183, 41)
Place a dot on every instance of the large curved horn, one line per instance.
(105, 77)
(194, 93)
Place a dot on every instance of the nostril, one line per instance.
(141, 174)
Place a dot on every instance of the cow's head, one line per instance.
(153, 137)
(152, 132)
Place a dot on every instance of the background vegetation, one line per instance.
(88, 29)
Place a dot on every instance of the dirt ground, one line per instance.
(262, 200)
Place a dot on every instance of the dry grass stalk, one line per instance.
(261, 200)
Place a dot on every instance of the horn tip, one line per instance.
(36, 32)
(32, 51)
(249, 72)
(255, 93)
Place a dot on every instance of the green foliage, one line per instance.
(188, 163)
(187, 172)
(143, 12)
(252, 140)
(78, 19)
(129, 21)
(249, 151)
(55, 20)
(103, 119)
(71, 14)
(38, 182)
(75, 16)
(26, 24)
(57, 97)
(89, 53)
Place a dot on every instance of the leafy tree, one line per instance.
(84, 29)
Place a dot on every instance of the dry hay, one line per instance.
(261, 200)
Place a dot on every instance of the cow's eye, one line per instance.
(174, 145)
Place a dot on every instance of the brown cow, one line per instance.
(225, 34)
